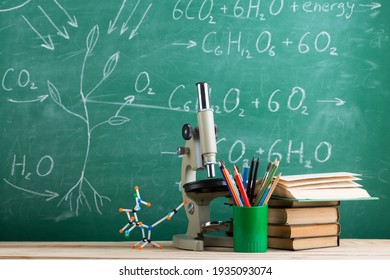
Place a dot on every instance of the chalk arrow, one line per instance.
(190, 44)
(64, 33)
(39, 98)
(124, 25)
(338, 101)
(134, 31)
(48, 43)
(49, 194)
(111, 26)
(372, 6)
(72, 20)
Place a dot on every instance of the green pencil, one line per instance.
(267, 182)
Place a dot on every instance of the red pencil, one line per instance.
(241, 188)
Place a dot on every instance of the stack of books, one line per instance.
(303, 225)
(304, 210)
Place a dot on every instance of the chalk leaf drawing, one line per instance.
(76, 196)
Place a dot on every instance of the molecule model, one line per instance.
(134, 222)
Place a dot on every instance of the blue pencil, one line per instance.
(245, 174)
(249, 184)
(264, 197)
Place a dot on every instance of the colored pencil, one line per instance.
(270, 190)
(249, 184)
(258, 187)
(254, 179)
(233, 190)
(241, 187)
(267, 181)
(245, 174)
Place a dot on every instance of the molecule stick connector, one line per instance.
(134, 222)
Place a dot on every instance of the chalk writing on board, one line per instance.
(295, 101)
(295, 152)
(189, 44)
(189, 10)
(134, 31)
(20, 79)
(263, 43)
(47, 42)
(231, 102)
(321, 153)
(112, 26)
(43, 168)
(142, 83)
(60, 31)
(202, 13)
(63, 33)
(217, 44)
(40, 98)
(49, 195)
(337, 101)
(72, 21)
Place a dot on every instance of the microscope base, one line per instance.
(183, 241)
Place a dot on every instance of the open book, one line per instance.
(327, 186)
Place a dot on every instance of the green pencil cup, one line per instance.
(250, 229)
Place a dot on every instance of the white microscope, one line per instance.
(200, 153)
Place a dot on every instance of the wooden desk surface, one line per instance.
(348, 249)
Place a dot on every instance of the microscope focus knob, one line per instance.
(186, 132)
(182, 151)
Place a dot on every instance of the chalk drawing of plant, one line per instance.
(75, 196)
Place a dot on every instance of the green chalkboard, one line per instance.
(94, 95)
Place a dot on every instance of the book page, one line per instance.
(327, 185)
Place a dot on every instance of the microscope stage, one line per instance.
(207, 186)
